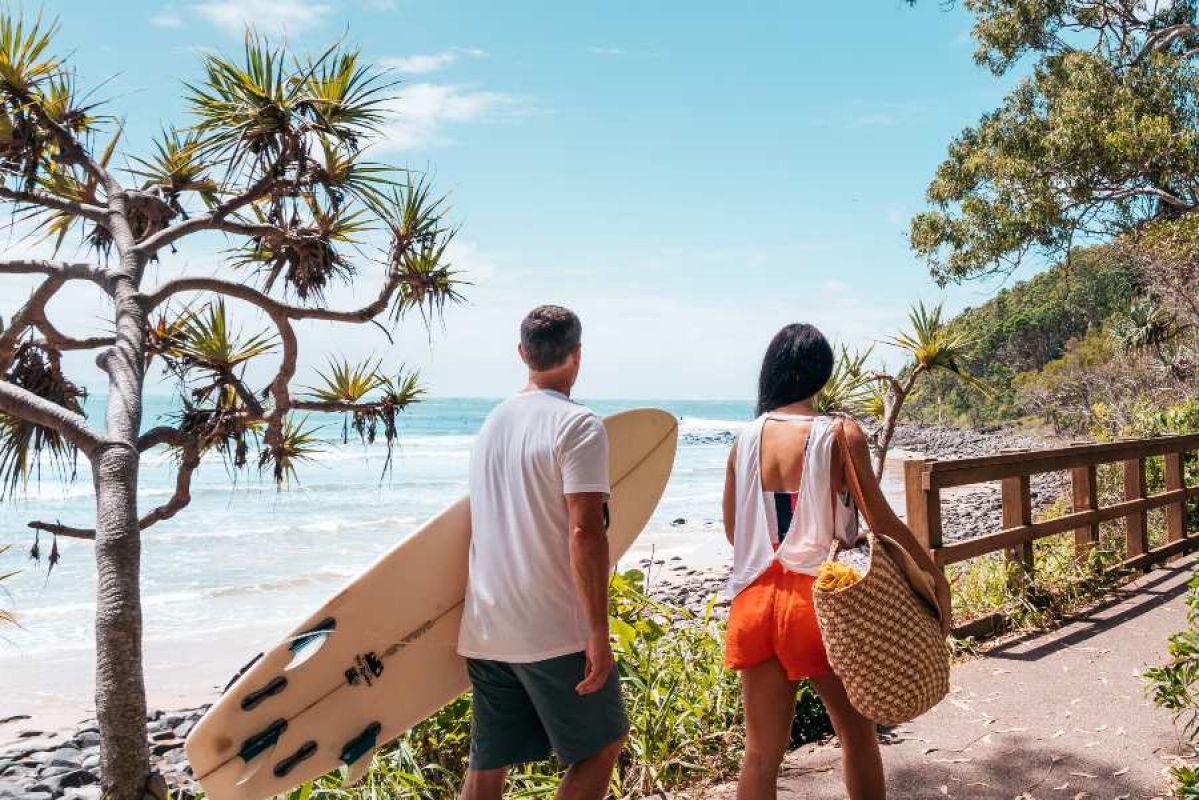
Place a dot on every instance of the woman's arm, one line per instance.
(880, 513)
(730, 494)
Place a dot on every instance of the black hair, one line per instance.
(798, 362)
(549, 334)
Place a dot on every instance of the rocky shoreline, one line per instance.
(47, 765)
(44, 765)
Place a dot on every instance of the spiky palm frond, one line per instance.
(168, 328)
(24, 445)
(304, 252)
(25, 62)
(933, 346)
(208, 341)
(403, 390)
(178, 165)
(344, 97)
(298, 444)
(63, 182)
(428, 282)
(248, 107)
(848, 386)
(339, 173)
(1143, 326)
(348, 383)
(413, 214)
(6, 616)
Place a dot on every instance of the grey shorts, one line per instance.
(522, 711)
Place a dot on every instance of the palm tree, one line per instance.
(272, 158)
(932, 346)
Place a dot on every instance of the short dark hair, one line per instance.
(549, 334)
(798, 362)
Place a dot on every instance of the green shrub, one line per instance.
(1175, 686)
(683, 706)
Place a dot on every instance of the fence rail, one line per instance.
(925, 478)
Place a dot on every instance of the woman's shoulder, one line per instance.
(853, 429)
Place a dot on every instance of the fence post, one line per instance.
(923, 504)
(1136, 533)
(1017, 511)
(1085, 492)
(1176, 513)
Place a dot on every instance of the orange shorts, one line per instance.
(774, 617)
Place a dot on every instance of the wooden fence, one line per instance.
(926, 478)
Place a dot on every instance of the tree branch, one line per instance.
(59, 529)
(24, 404)
(272, 306)
(47, 200)
(213, 220)
(164, 434)
(27, 316)
(75, 271)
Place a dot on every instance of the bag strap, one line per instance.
(917, 577)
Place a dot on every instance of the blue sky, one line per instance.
(689, 176)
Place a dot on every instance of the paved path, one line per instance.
(1059, 715)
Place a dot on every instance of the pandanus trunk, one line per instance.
(120, 687)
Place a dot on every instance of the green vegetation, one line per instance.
(1175, 686)
(1100, 136)
(1021, 330)
(684, 708)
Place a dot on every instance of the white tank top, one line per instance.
(816, 519)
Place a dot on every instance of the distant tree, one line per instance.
(273, 160)
(1101, 136)
(854, 388)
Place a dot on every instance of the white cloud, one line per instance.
(168, 17)
(423, 110)
(268, 16)
(422, 64)
(605, 51)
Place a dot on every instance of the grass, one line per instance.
(684, 709)
(1061, 582)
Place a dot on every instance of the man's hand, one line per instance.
(945, 601)
(599, 664)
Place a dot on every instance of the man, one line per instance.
(535, 627)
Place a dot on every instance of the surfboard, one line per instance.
(381, 655)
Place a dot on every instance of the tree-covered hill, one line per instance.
(1025, 327)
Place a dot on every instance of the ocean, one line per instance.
(246, 562)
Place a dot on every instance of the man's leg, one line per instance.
(589, 779)
(484, 784)
(504, 730)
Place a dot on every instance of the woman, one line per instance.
(786, 497)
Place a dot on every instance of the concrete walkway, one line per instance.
(1058, 715)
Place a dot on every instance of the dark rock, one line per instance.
(185, 728)
(86, 739)
(162, 748)
(162, 736)
(679, 521)
(71, 780)
(14, 718)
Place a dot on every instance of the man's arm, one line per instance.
(589, 566)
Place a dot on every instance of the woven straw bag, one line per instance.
(882, 636)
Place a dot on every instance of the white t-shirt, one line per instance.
(521, 604)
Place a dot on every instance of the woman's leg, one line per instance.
(861, 760)
(769, 701)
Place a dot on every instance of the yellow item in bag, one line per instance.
(835, 575)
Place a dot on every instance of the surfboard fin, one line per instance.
(359, 752)
(357, 771)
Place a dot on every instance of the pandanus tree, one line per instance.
(271, 162)
(854, 388)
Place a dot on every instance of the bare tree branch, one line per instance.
(272, 306)
(57, 340)
(24, 404)
(71, 270)
(164, 434)
(26, 317)
(55, 203)
(179, 501)
(59, 529)
(213, 220)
